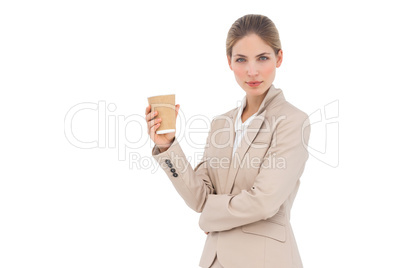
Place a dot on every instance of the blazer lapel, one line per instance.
(228, 171)
(226, 140)
(242, 148)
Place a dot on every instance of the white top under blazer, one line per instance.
(241, 128)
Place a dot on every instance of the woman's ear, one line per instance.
(230, 62)
(279, 58)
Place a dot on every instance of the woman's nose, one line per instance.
(251, 69)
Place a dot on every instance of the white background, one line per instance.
(65, 206)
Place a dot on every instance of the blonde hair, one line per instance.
(257, 24)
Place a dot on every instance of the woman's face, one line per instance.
(254, 64)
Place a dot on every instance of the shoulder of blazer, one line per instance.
(289, 110)
(229, 114)
(288, 116)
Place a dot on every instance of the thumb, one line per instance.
(177, 109)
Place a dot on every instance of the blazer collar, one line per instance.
(227, 175)
(239, 125)
(273, 95)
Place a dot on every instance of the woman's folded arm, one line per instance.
(272, 186)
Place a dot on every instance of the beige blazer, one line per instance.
(245, 201)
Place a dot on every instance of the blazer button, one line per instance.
(170, 165)
(175, 175)
(167, 161)
(173, 170)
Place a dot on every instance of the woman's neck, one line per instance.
(253, 103)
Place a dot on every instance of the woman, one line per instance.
(246, 183)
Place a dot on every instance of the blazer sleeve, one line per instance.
(193, 185)
(272, 185)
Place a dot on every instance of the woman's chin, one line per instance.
(257, 91)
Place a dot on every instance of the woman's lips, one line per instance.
(254, 83)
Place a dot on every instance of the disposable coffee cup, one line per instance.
(166, 107)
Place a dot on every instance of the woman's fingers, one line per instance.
(150, 118)
(154, 122)
(148, 114)
(177, 109)
(151, 126)
(148, 109)
(152, 131)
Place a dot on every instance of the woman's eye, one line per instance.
(263, 58)
(240, 60)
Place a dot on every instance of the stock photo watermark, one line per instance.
(112, 134)
(324, 123)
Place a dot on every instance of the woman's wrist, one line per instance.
(163, 148)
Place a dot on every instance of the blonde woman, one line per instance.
(255, 154)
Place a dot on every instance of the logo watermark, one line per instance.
(324, 123)
(112, 131)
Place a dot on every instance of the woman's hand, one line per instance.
(163, 141)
